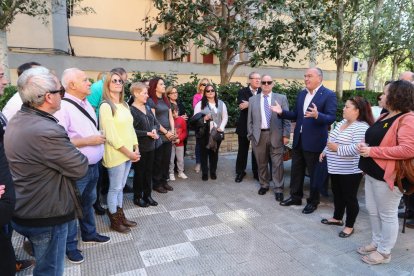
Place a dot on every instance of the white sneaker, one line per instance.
(197, 168)
(172, 177)
(182, 175)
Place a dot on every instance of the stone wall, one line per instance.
(229, 145)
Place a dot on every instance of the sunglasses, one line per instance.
(117, 81)
(211, 90)
(61, 91)
(203, 84)
(267, 82)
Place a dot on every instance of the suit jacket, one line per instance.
(314, 131)
(244, 94)
(278, 127)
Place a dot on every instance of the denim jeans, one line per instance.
(382, 205)
(49, 245)
(87, 189)
(118, 176)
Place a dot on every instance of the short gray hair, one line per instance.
(68, 75)
(253, 73)
(319, 71)
(34, 83)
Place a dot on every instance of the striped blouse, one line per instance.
(345, 159)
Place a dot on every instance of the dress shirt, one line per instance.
(262, 110)
(309, 98)
(77, 125)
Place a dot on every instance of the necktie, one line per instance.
(267, 110)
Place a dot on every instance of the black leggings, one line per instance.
(345, 189)
(143, 174)
(161, 168)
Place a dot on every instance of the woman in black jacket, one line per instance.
(146, 127)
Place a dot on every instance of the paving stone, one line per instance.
(206, 232)
(191, 213)
(168, 254)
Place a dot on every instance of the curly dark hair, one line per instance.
(400, 96)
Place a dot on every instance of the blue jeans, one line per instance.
(87, 189)
(49, 245)
(118, 176)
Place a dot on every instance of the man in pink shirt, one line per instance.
(78, 118)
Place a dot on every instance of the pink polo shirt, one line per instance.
(78, 125)
(197, 97)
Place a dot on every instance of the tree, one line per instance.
(390, 32)
(9, 9)
(340, 32)
(237, 32)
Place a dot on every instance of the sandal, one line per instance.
(367, 249)
(376, 258)
(328, 222)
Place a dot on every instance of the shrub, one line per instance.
(8, 93)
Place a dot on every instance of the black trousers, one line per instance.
(143, 174)
(161, 164)
(102, 186)
(209, 158)
(300, 161)
(243, 154)
(7, 256)
(345, 190)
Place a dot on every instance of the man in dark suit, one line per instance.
(268, 133)
(314, 112)
(243, 152)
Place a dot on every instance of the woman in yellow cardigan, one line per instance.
(121, 148)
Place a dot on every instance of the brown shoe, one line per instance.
(22, 265)
(160, 189)
(116, 223)
(168, 187)
(124, 221)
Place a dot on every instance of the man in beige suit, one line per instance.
(268, 134)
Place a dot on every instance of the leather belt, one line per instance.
(265, 129)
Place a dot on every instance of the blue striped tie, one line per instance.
(267, 110)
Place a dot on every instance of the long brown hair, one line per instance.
(107, 95)
(364, 108)
(152, 91)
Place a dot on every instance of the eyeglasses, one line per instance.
(203, 84)
(173, 93)
(211, 90)
(61, 91)
(267, 82)
(115, 81)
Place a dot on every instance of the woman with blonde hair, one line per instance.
(196, 99)
(121, 148)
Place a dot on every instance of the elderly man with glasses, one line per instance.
(45, 165)
(268, 134)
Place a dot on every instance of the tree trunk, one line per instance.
(340, 64)
(4, 59)
(372, 64)
(224, 65)
(394, 67)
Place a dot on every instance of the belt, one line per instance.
(265, 129)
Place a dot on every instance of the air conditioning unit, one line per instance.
(360, 66)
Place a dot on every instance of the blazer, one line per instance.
(278, 127)
(314, 131)
(244, 94)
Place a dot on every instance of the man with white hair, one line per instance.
(44, 165)
(78, 118)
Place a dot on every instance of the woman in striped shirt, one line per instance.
(343, 157)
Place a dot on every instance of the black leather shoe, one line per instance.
(160, 189)
(99, 210)
(279, 196)
(309, 208)
(239, 177)
(140, 202)
(128, 190)
(213, 176)
(204, 177)
(410, 214)
(291, 201)
(168, 187)
(150, 201)
(263, 191)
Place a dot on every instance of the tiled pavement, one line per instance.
(225, 228)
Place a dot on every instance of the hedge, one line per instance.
(227, 93)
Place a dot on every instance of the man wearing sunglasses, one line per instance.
(78, 118)
(314, 112)
(243, 97)
(44, 164)
(268, 134)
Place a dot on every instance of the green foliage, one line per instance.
(8, 93)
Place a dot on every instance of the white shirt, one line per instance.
(309, 98)
(254, 91)
(12, 106)
(262, 110)
(224, 114)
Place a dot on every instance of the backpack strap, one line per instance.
(81, 109)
